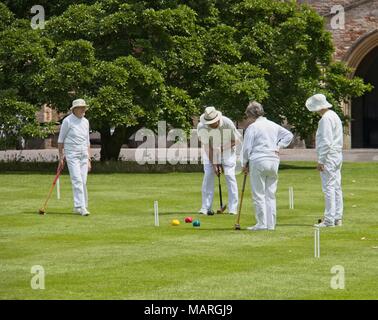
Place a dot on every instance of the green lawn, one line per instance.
(117, 253)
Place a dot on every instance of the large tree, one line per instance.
(138, 62)
(23, 52)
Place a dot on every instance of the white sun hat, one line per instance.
(210, 116)
(78, 103)
(317, 102)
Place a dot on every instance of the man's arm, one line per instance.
(89, 158)
(208, 146)
(235, 138)
(61, 154)
(323, 140)
(209, 149)
(62, 136)
(284, 137)
(89, 150)
(247, 146)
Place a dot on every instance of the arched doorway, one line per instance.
(364, 110)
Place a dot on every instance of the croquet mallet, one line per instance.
(59, 171)
(222, 207)
(237, 224)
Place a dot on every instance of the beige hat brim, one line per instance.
(217, 118)
(85, 106)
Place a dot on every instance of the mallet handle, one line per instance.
(241, 198)
(59, 171)
(220, 190)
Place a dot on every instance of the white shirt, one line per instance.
(226, 129)
(224, 135)
(74, 132)
(263, 139)
(329, 136)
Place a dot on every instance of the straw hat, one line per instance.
(211, 115)
(78, 103)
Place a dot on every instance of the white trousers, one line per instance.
(331, 185)
(264, 180)
(77, 163)
(208, 187)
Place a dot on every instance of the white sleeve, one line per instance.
(88, 138)
(236, 136)
(202, 134)
(63, 131)
(284, 137)
(247, 145)
(323, 139)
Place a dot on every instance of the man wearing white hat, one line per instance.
(329, 145)
(219, 138)
(74, 146)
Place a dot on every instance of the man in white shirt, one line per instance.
(262, 142)
(74, 146)
(219, 138)
(329, 146)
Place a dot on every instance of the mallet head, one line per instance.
(222, 210)
(237, 226)
(42, 211)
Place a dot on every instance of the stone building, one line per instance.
(46, 114)
(356, 43)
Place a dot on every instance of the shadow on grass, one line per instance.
(220, 229)
(197, 229)
(184, 213)
(285, 166)
(294, 225)
(49, 212)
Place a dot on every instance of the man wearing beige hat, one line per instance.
(219, 138)
(74, 146)
(329, 145)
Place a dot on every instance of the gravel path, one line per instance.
(174, 155)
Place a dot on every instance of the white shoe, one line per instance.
(338, 222)
(81, 211)
(256, 228)
(203, 211)
(232, 213)
(323, 225)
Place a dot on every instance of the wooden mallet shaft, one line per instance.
(237, 224)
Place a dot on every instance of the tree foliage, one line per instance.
(138, 62)
(23, 52)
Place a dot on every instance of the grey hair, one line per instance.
(254, 110)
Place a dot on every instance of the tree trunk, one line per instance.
(310, 142)
(111, 144)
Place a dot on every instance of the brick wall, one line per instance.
(361, 17)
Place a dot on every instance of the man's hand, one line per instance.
(61, 164)
(320, 167)
(89, 165)
(245, 169)
(217, 169)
